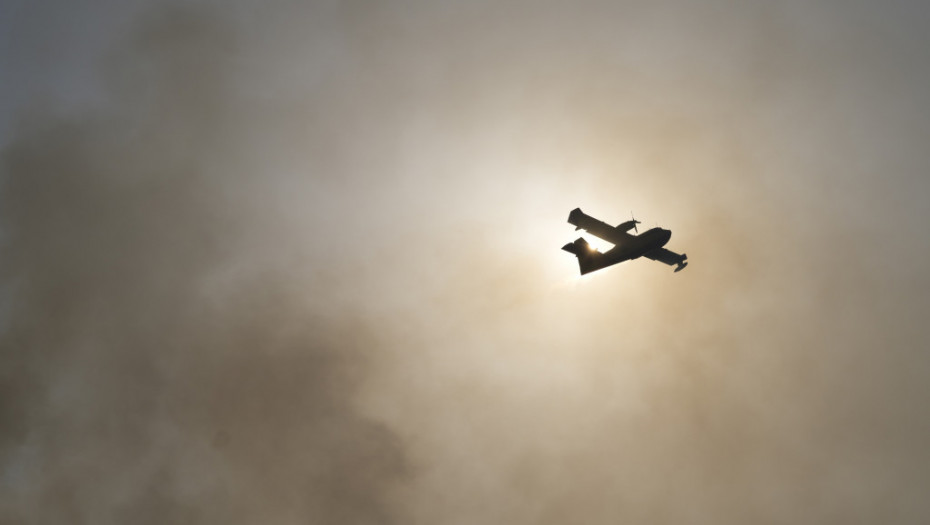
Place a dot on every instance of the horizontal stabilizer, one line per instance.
(580, 247)
(588, 258)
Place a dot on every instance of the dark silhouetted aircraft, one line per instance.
(626, 247)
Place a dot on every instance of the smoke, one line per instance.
(157, 369)
(298, 262)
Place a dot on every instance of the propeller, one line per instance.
(635, 222)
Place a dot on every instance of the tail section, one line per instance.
(587, 256)
(579, 247)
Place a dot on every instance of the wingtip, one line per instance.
(574, 215)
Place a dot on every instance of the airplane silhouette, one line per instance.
(626, 247)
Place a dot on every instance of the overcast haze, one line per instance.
(295, 262)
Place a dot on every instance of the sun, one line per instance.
(596, 244)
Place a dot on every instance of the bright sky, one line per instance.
(293, 262)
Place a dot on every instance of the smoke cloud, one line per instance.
(298, 262)
(156, 370)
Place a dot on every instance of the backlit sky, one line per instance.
(298, 262)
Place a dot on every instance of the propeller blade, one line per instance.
(635, 222)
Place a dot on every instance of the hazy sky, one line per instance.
(298, 262)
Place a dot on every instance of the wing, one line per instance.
(668, 257)
(600, 229)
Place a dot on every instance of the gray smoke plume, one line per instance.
(155, 369)
(298, 262)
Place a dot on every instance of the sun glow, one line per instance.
(597, 244)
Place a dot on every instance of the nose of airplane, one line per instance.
(666, 234)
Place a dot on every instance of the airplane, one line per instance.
(626, 246)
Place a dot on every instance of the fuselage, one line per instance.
(635, 246)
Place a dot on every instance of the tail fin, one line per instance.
(587, 256)
(579, 247)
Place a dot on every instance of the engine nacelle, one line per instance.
(627, 226)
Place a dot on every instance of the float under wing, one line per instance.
(668, 257)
